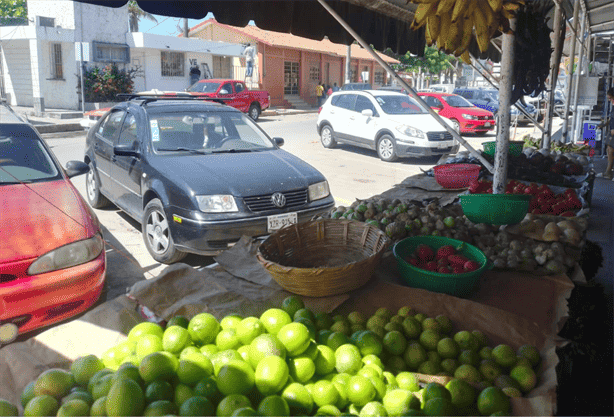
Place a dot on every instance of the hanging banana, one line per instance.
(452, 24)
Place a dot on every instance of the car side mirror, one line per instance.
(125, 150)
(223, 91)
(367, 112)
(279, 141)
(440, 107)
(74, 168)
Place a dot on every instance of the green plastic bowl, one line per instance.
(459, 285)
(515, 148)
(495, 208)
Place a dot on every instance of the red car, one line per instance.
(52, 257)
(466, 117)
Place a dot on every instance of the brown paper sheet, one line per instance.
(93, 333)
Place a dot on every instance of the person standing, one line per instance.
(609, 141)
(194, 74)
(335, 87)
(319, 93)
(250, 53)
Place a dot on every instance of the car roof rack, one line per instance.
(148, 97)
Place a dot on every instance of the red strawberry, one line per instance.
(413, 261)
(457, 260)
(431, 266)
(424, 253)
(443, 270)
(443, 262)
(471, 266)
(445, 251)
(458, 269)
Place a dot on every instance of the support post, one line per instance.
(576, 116)
(505, 95)
(555, 62)
(570, 72)
(348, 65)
(409, 89)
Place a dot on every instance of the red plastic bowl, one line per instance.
(456, 175)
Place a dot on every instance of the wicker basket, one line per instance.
(323, 257)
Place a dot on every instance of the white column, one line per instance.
(39, 73)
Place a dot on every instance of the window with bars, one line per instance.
(57, 69)
(172, 64)
(111, 53)
(379, 77)
(314, 73)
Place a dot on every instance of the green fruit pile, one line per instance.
(289, 361)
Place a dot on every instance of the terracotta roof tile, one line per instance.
(288, 40)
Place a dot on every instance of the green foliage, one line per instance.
(13, 11)
(433, 61)
(103, 84)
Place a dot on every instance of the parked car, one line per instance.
(442, 88)
(394, 87)
(91, 117)
(52, 258)
(197, 175)
(488, 99)
(233, 93)
(356, 86)
(392, 123)
(465, 117)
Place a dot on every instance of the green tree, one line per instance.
(135, 14)
(12, 11)
(434, 62)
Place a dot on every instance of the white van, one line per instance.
(442, 88)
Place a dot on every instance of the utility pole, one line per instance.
(348, 66)
(186, 30)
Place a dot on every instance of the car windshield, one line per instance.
(23, 157)
(206, 132)
(457, 101)
(204, 87)
(399, 104)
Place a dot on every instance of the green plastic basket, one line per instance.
(514, 150)
(495, 208)
(459, 285)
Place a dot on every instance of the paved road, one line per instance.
(351, 172)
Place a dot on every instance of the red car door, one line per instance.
(242, 98)
(227, 92)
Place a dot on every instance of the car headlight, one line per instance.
(410, 131)
(73, 254)
(469, 117)
(318, 191)
(216, 203)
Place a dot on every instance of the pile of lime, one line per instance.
(289, 361)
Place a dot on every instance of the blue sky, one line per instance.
(167, 25)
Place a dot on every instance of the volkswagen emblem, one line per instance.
(278, 199)
(442, 136)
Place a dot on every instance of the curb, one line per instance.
(58, 128)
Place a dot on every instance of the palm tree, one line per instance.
(135, 13)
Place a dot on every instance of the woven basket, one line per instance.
(323, 257)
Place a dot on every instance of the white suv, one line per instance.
(392, 123)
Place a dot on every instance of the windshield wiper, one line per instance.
(195, 151)
(233, 150)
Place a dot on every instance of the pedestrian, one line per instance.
(335, 87)
(319, 93)
(609, 141)
(194, 74)
(249, 53)
(329, 90)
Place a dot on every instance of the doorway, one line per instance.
(291, 78)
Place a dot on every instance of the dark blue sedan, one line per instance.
(197, 175)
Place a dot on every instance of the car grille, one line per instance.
(484, 117)
(294, 199)
(439, 136)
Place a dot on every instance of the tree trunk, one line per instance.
(134, 23)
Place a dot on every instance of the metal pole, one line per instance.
(186, 30)
(505, 95)
(81, 60)
(348, 65)
(494, 83)
(555, 62)
(570, 72)
(576, 117)
(410, 90)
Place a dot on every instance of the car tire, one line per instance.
(254, 112)
(327, 137)
(385, 149)
(92, 186)
(157, 234)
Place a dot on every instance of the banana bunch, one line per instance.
(451, 24)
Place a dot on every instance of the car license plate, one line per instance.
(487, 124)
(280, 220)
(443, 145)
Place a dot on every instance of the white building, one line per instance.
(39, 63)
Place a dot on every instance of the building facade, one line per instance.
(288, 65)
(40, 63)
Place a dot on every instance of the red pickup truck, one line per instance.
(233, 93)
